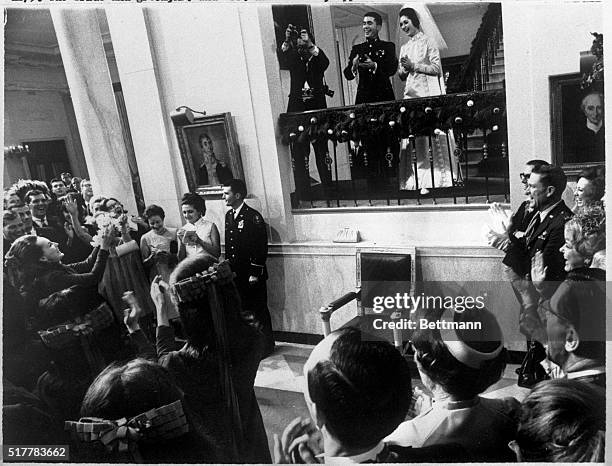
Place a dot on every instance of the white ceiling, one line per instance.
(30, 32)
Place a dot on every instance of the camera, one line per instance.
(294, 32)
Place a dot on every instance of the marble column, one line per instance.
(91, 90)
(149, 123)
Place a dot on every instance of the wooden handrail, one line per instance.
(474, 71)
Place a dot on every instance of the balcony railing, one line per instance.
(448, 149)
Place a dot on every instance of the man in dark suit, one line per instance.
(374, 61)
(307, 64)
(45, 225)
(246, 249)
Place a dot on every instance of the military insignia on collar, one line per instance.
(543, 235)
(257, 219)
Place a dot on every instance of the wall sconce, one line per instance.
(16, 151)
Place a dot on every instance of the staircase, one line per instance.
(497, 77)
(484, 70)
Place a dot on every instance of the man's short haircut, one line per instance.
(9, 216)
(597, 93)
(153, 210)
(237, 186)
(56, 180)
(554, 176)
(363, 390)
(83, 181)
(34, 192)
(560, 421)
(376, 16)
(194, 200)
(203, 136)
(537, 163)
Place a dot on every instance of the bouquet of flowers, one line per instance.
(105, 221)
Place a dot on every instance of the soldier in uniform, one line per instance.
(246, 248)
(374, 61)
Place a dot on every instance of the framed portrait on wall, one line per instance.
(577, 123)
(210, 153)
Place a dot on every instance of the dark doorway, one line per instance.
(47, 159)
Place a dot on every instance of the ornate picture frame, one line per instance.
(210, 153)
(568, 122)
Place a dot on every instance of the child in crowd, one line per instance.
(136, 412)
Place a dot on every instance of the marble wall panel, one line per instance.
(305, 277)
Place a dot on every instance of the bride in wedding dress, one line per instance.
(420, 67)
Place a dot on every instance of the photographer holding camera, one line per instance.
(307, 64)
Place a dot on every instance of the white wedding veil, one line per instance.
(428, 24)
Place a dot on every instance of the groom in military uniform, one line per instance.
(374, 62)
(246, 248)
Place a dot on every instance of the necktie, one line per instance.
(533, 226)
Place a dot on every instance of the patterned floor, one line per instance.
(280, 379)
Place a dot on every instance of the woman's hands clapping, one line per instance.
(406, 63)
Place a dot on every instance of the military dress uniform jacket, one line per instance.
(246, 243)
(374, 86)
(516, 255)
(548, 237)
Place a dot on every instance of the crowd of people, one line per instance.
(130, 340)
(357, 388)
(87, 286)
(80, 368)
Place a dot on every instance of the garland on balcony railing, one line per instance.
(391, 121)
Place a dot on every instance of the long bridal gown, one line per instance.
(421, 82)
